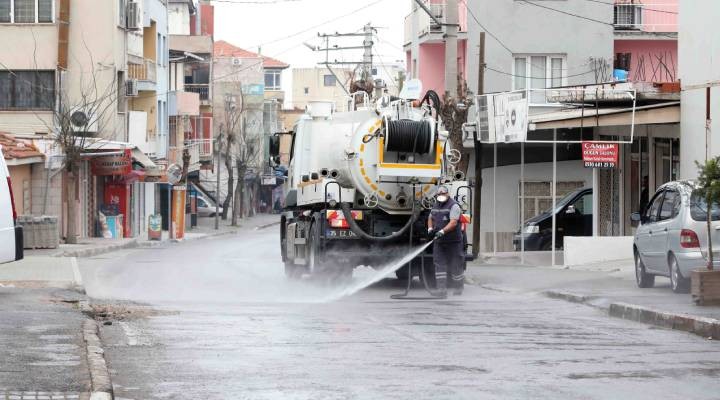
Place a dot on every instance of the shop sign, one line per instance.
(600, 155)
(117, 164)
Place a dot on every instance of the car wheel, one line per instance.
(678, 283)
(643, 279)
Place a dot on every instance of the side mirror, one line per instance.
(635, 217)
(570, 209)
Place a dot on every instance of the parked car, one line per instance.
(672, 237)
(573, 217)
(11, 234)
(206, 208)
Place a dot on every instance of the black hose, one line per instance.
(356, 229)
(408, 136)
(434, 98)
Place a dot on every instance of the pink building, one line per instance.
(425, 46)
(646, 39)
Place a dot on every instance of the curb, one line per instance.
(259, 227)
(99, 374)
(708, 328)
(99, 250)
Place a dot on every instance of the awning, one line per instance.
(661, 113)
(110, 145)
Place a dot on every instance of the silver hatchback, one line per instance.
(672, 237)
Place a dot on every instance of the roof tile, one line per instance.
(225, 49)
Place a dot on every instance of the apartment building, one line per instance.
(104, 63)
(700, 77)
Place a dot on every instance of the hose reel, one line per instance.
(408, 136)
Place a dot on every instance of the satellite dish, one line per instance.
(174, 174)
(79, 118)
(411, 90)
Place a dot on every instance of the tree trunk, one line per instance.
(72, 208)
(239, 197)
(708, 200)
(228, 197)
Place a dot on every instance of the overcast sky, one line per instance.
(281, 27)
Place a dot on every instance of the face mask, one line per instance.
(442, 198)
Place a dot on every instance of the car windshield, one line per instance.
(698, 209)
(564, 201)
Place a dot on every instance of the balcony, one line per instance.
(427, 28)
(202, 89)
(656, 17)
(193, 130)
(145, 72)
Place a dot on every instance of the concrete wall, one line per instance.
(528, 29)
(590, 250)
(507, 210)
(313, 80)
(178, 19)
(21, 187)
(699, 63)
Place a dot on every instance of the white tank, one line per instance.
(352, 148)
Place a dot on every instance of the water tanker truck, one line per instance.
(360, 185)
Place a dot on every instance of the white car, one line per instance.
(672, 237)
(206, 208)
(11, 235)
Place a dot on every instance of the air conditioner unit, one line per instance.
(131, 87)
(237, 61)
(134, 16)
(82, 120)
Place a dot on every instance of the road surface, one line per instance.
(218, 320)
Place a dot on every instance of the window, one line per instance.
(121, 99)
(306, 90)
(329, 80)
(374, 72)
(122, 9)
(27, 11)
(652, 212)
(538, 72)
(272, 79)
(670, 206)
(584, 205)
(27, 90)
(538, 196)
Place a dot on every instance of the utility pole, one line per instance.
(708, 125)
(367, 54)
(477, 193)
(451, 34)
(218, 141)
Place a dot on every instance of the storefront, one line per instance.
(123, 198)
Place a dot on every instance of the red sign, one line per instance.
(600, 155)
(117, 164)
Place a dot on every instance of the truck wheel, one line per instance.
(293, 271)
(314, 260)
(403, 273)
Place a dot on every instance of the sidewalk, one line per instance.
(206, 228)
(42, 346)
(608, 286)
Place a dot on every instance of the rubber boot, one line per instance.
(441, 288)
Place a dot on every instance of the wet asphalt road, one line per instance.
(229, 326)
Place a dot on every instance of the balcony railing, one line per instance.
(203, 89)
(205, 147)
(146, 71)
(193, 130)
(646, 17)
(427, 25)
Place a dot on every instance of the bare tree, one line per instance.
(229, 131)
(454, 111)
(79, 112)
(247, 149)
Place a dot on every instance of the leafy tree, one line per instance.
(709, 189)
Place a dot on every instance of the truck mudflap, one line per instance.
(19, 243)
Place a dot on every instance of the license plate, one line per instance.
(340, 234)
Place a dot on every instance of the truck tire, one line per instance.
(292, 271)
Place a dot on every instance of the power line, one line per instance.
(567, 13)
(469, 10)
(633, 4)
(321, 24)
(535, 77)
